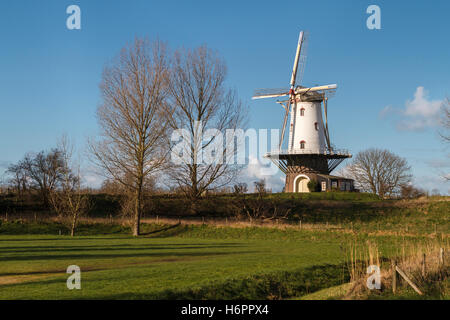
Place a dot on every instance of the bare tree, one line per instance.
(380, 172)
(445, 120)
(19, 178)
(445, 134)
(43, 171)
(202, 104)
(68, 199)
(132, 118)
(260, 187)
(259, 206)
(240, 188)
(408, 191)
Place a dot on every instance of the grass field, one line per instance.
(213, 261)
(32, 267)
(196, 262)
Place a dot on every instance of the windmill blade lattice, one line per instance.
(302, 58)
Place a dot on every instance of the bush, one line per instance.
(408, 191)
(313, 186)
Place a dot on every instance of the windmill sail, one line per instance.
(300, 60)
(297, 58)
(270, 93)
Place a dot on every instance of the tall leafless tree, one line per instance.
(132, 118)
(201, 102)
(445, 121)
(380, 172)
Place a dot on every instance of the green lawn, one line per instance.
(192, 261)
(33, 267)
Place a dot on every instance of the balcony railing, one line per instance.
(294, 151)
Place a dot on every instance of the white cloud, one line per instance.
(92, 178)
(93, 181)
(256, 170)
(420, 106)
(386, 111)
(4, 164)
(418, 114)
(430, 182)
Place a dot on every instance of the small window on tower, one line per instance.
(316, 126)
(302, 112)
(302, 144)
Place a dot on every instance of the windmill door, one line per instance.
(301, 184)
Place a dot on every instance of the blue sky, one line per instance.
(49, 75)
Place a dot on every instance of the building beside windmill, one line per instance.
(309, 156)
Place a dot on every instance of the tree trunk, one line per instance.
(72, 230)
(45, 200)
(74, 224)
(193, 208)
(137, 212)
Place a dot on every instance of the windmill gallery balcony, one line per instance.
(307, 161)
(333, 153)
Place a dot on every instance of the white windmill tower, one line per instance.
(310, 154)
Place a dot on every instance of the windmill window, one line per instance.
(302, 112)
(302, 144)
(316, 126)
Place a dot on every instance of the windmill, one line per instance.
(310, 154)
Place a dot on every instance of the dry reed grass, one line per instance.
(423, 263)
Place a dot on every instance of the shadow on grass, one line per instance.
(161, 230)
(65, 238)
(36, 249)
(83, 257)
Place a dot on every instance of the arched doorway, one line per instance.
(301, 183)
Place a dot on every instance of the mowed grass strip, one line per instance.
(124, 267)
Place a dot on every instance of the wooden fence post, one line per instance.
(424, 266)
(400, 272)
(394, 276)
(300, 224)
(441, 257)
(157, 219)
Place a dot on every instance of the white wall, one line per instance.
(302, 127)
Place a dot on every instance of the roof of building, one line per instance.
(333, 177)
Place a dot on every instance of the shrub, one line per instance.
(408, 191)
(313, 186)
